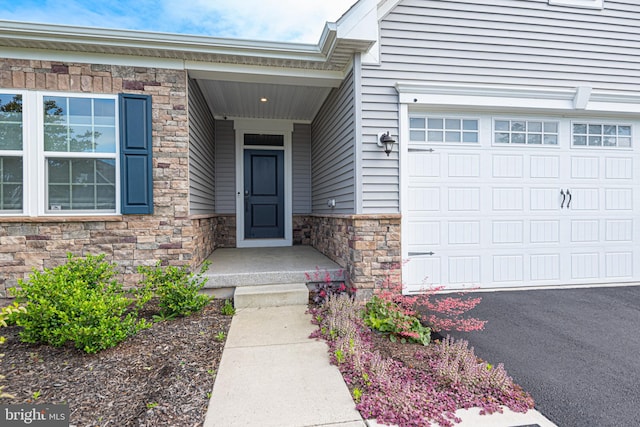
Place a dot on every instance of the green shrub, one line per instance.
(177, 289)
(388, 317)
(228, 309)
(78, 302)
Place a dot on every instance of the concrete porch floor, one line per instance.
(234, 267)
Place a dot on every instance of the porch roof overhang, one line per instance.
(233, 73)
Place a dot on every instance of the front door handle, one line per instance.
(564, 196)
(246, 193)
(570, 197)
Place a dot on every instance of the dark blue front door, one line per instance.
(263, 194)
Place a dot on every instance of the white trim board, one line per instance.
(472, 97)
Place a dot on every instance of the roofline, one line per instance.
(31, 35)
(31, 31)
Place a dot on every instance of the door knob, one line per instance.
(246, 193)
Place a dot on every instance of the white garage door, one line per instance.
(504, 202)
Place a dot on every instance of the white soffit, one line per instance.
(240, 99)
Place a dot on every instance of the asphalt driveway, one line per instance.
(577, 351)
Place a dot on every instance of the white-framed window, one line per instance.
(525, 132)
(67, 159)
(448, 130)
(589, 4)
(605, 135)
(11, 153)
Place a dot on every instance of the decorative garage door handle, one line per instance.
(564, 196)
(421, 253)
(570, 197)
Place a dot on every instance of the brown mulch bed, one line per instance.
(163, 376)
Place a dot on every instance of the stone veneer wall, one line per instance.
(226, 231)
(168, 235)
(367, 246)
(302, 230)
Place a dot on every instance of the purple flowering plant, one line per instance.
(393, 393)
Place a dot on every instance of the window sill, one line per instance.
(36, 219)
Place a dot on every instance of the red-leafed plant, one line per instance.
(442, 312)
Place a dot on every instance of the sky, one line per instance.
(299, 21)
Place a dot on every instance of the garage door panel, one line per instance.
(508, 199)
(424, 199)
(585, 167)
(423, 272)
(423, 235)
(547, 231)
(619, 265)
(545, 199)
(508, 268)
(464, 233)
(619, 199)
(464, 199)
(424, 165)
(585, 231)
(545, 167)
(507, 232)
(619, 230)
(585, 199)
(464, 270)
(464, 165)
(508, 166)
(585, 265)
(544, 267)
(619, 168)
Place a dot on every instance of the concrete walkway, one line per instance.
(273, 374)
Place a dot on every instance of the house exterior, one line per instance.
(515, 165)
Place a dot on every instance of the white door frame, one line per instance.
(274, 127)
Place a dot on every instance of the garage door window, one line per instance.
(443, 129)
(601, 135)
(533, 132)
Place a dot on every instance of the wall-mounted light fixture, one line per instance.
(385, 141)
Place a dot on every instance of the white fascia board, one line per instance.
(523, 98)
(361, 23)
(91, 58)
(385, 7)
(259, 74)
(153, 40)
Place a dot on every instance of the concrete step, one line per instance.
(271, 295)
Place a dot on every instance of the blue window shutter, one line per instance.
(136, 167)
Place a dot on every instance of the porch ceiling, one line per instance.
(243, 100)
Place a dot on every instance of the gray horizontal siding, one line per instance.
(333, 151)
(201, 154)
(225, 167)
(301, 147)
(525, 42)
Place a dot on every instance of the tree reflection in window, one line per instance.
(11, 172)
(60, 134)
